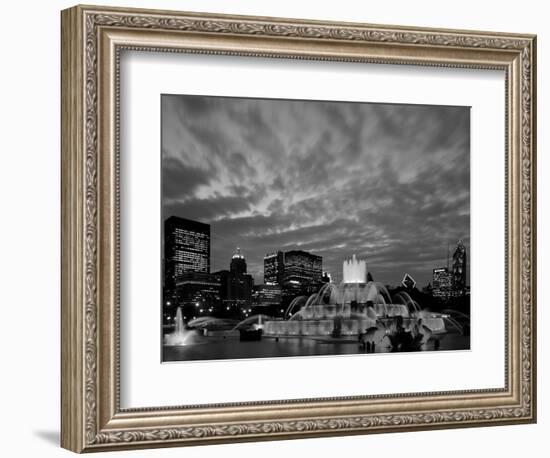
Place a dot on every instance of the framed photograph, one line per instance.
(277, 228)
(265, 200)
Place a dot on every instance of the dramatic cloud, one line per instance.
(390, 183)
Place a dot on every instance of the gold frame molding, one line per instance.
(92, 39)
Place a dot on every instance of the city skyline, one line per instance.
(223, 314)
(238, 257)
(389, 183)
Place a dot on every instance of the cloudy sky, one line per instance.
(390, 183)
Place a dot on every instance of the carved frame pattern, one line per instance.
(89, 22)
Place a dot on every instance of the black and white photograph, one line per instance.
(313, 228)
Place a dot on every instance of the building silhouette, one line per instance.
(459, 269)
(274, 264)
(450, 282)
(198, 293)
(186, 250)
(408, 281)
(238, 263)
(296, 271)
(236, 284)
(302, 267)
(442, 283)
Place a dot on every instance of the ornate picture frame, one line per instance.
(92, 41)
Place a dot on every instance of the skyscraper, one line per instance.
(238, 263)
(274, 268)
(303, 272)
(459, 269)
(236, 284)
(303, 267)
(408, 281)
(186, 249)
(442, 283)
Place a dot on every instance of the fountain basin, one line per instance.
(312, 328)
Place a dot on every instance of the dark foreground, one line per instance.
(215, 348)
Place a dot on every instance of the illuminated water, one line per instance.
(344, 318)
(181, 336)
(210, 348)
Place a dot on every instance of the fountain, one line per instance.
(254, 322)
(210, 322)
(181, 335)
(350, 308)
(251, 328)
(354, 271)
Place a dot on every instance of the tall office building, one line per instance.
(303, 272)
(296, 271)
(303, 267)
(274, 268)
(238, 263)
(236, 284)
(442, 283)
(186, 249)
(459, 269)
